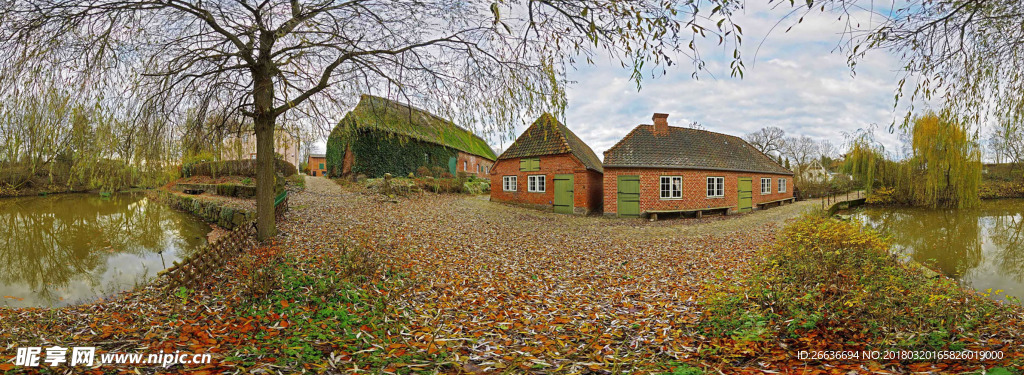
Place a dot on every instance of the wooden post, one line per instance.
(699, 214)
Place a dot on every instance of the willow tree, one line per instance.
(949, 161)
(486, 64)
(944, 170)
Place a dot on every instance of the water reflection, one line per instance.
(68, 248)
(983, 247)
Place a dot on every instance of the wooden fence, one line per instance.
(200, 265)
(833, 198)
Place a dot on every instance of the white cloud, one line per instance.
(798, 82)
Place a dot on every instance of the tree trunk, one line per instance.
(263, 95)
(265, 176)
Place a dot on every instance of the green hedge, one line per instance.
(245, 167)
(379, 152)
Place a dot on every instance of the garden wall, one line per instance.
(208, 210)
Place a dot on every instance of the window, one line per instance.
(535, 184)
(782, 185)
(321, 165)
(464, 169)
(766, 186)
(716, 187)
(509, 183)
(671, 187)
(529, 165)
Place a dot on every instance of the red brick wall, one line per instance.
(694, 188)
(471, 164)
(592, 182)
(313, 163)
(587, 184)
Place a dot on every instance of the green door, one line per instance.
(563, 193)
(452, 162)
(744, 194)
(629, 196)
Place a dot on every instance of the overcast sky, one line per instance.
(797, 82)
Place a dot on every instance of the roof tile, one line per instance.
(690, 149)
(547, 136)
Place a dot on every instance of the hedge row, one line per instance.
(245, 167)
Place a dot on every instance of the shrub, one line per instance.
(882, 195)
(423, 171)
(244, 167)
(838, 277)
(437, 171)
(442, 185)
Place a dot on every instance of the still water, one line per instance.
(71, 248)
(982, 247)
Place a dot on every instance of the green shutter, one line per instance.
(321, 165)
(529, 164)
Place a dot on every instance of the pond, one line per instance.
(73, 248)
(983, 248)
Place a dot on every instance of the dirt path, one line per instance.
(498, 286)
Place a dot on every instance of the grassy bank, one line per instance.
(833, 285)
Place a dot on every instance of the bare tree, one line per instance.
(801, 150)
(768, 140)
(826, 149)
(478, 62)
(1006, 143)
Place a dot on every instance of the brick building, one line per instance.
(665, 169)
(317, 164)
(381, 136)
(549, 166)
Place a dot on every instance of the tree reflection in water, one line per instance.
(982, 247)
(65, 248)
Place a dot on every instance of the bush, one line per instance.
(244, 167)
(442, 185)
(839, 279)
(437, 171)
(882, 195)
(423, 171)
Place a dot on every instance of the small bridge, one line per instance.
(833, 202)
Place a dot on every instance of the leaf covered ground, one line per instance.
(454, 284)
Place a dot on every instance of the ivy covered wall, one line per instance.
(377, 152)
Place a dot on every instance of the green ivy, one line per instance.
(378, 152)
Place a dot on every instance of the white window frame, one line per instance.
(532, 186)
(509, 183)
(670, 193)
(465, 166)
(782, 185)
(719, 187)
(766, 185)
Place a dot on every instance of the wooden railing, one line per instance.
(832, 198)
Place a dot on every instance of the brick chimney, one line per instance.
(661, 123)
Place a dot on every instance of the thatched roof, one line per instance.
(376, 113)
